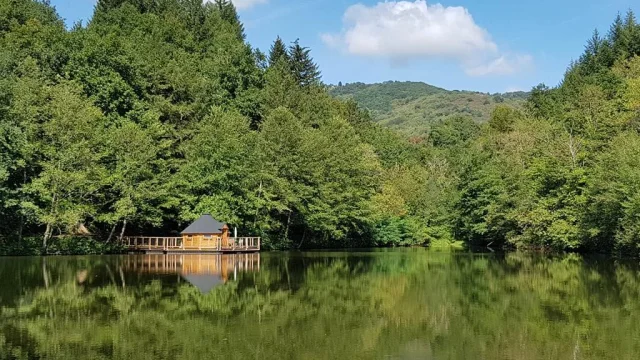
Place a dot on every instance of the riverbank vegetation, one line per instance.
(564, 173)
(156, 112)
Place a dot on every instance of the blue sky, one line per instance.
(488, 45)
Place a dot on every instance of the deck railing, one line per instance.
(192, 243)
(193, 264)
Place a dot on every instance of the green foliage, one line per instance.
(159, 111)
(305, 71)
(412, 107)
(278, 52)
(63, 245)
(379, 98)
(503, 118)
(564, 173)
(453, 131)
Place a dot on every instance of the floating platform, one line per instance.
(191, 244)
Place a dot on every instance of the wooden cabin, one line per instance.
(206, 232)
(204, 235)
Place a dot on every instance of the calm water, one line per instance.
(403, 304)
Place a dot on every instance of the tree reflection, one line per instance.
(321, 305)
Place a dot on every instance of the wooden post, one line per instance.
(225, 234)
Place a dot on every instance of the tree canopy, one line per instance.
(155, 112)
(158, 111)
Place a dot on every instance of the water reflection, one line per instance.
(324, 305)
(203, 271)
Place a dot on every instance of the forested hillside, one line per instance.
(413, 107)
(565, 172)
(158, 111)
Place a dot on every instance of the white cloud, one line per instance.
(244, 4)
(503, 65)
(404, 30)
(511, 89)
(331, 40)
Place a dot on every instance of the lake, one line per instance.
(385, 304)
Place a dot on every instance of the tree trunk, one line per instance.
(573, 150)
(286, 230)
(124, 227)
(124, 285)
(113, 231)
(255, 218)
(304, 235)
(49, 230)
(45, 239)
(45, 273)
(21, 226)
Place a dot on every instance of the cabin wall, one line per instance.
(201, 241)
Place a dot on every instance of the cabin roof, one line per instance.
(204, 283)
(204, 225)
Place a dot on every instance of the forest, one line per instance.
(411, 108)
(157, 111)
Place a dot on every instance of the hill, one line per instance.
(411, 107)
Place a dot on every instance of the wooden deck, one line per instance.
(197, 244)
(194, 264)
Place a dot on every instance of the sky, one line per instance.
(480, 45)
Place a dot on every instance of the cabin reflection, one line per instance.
(204, 271)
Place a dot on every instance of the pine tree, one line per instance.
(615, 37)
(593, 45)
(229, 13)
(615, 31)
(590, 58)
(104, 5)
(635, 36)
(142, 5)
(631, 35)
(304, 70)
(278, 51)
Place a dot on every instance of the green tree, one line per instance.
(72, 146)
(304, 69)
(278, 52)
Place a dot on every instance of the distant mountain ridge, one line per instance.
(411, 107)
